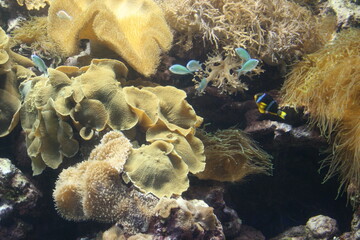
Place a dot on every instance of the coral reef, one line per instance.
(231, 155)
(136, 30)
(326, 83)
(92, 105)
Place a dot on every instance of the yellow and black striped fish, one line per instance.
(266, 104)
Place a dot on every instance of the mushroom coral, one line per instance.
(327, 84)
(134, 29)
(231, 155)
(12, 72)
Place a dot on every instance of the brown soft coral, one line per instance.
(136, 30)
(270, 30)
(327, 84)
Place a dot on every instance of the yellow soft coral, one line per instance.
(136, 30)
(327, 84)
(231, 155)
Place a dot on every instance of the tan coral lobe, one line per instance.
(134, 29)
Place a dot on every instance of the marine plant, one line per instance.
(327, 84)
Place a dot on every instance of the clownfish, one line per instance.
(266, 104)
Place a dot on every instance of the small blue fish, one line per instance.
(243, 54)
(266, 104)
(248, 66)
(202, 85)
(193, 65)
(179, 69)
(39, 63)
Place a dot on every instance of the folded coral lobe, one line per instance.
(134, 29)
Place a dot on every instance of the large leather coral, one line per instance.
(134, 29)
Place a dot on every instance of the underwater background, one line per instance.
(187, 119)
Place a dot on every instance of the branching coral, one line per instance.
(136, 30)
(231, 155)
(327, 84)
(270, 30)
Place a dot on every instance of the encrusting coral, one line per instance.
(327, 84)
(136, 30)
(231, 155)
(12, 72)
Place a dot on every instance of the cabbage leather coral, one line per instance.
(158, 169)
(231, 155)
(326, 83)
(135, 30)
(57, 106)
(95, 190)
